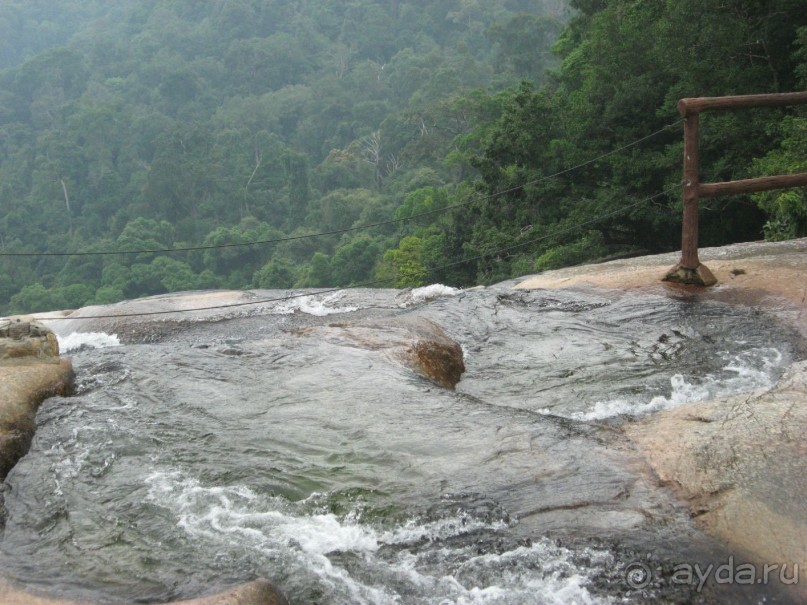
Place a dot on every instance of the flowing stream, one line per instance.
(273, 442)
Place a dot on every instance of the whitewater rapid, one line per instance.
(286, 442)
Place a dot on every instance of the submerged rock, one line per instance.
(440, 362)
(418, 343)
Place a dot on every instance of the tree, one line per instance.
(296, 168)
(277, 273)
(353, 262)
(242, 261)
(177, 123)
(340, 209)
(787, 209)
(35, 298)
(145, 234)
(524, 43)
(404, 266)
(317, 274)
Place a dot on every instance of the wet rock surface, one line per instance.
(24, 387)
(765, 274)
(737, 462)
(26, 338)
(418, 343)
(30, 371)
(342, 407)
(153, 318)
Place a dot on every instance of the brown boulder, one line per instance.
(439, 361)
(23, 337)
(418, 343)
(23, 386)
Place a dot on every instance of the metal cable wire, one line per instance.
(376, 282)
(560, 231)
(348, 229)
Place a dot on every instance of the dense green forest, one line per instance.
(162, 124)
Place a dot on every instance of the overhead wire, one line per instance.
(347, 229)
(372, 283)
(559, 232)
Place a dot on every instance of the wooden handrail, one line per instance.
(690, 270)
(696, 105)
(765, 183)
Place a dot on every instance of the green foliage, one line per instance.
(177, 121)
(340, 209)
(412, 263)
(404, 266)
(145, 234)
(421, 201)
(624, 65)
(38, 298)
(183, 122)
(523, 43)
(354, 261)
(786, 209)
(277, 273)
(317, 274)
(106, 295)
(33, 298)
(224, 258)
(29, 27)
(589, 247)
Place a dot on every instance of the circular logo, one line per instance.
(638, 575)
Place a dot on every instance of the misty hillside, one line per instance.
(29, 27)
(154, 125)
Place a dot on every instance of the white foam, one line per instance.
(416, 530)
(432, 292)
(92, 340)
(312, 306)
(748, 371)
(236, 518)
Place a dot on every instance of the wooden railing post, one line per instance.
(690, 270)
(689, 233)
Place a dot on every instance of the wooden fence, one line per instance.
(690, 270)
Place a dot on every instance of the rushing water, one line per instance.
(273, 443)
